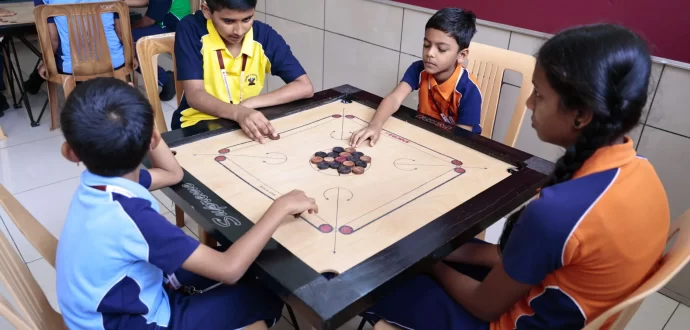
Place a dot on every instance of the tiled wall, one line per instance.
(369, 44)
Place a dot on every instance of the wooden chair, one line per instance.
(195, 4)
(148, 50)
(671, 264)
(35, 310)
(90, 59)
(42, 240)
(488, 64)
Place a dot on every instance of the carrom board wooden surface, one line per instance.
(24, 13)
(414, 177)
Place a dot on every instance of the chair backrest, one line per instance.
(89, 49)
(148, 49)
(488, 64)
(44, 242)
(672, 263)
(35, 310)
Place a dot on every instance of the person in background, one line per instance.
(161, 17)
(59, 38)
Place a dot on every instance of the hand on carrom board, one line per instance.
(254, 123)
(295, 202)
(370, 132)
(6, 13)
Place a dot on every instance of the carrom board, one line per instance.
(414, 177)
(428, 189)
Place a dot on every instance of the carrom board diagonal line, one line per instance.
(403, 194)
(261, 192)
(439, 153)
(292, 129)
(408, 202)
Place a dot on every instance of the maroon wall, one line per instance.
(665, 24)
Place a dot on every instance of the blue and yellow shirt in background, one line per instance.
(196, 51)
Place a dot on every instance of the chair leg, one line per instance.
(361, 324)
(293, 319)
(206, 238)
(54, 106)
(179, 216)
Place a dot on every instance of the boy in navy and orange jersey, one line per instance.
(223, 57)
(447, 91)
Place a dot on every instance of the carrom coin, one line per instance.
(357, 170)
(338, 149)
(321, 154)
(316, 160)
(349, 163)
(344, 170)
(345, 154)
(365, 159)
(277, 137)
(322, 165)
(340, 159)
(350, 150)
(329, 159)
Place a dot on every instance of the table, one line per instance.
(19, 26)
(426, 191)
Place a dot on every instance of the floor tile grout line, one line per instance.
(46, 185)
(27, 142)
(670, 317)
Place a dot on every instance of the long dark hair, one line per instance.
(600, 68)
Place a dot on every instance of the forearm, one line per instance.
(299, 89)
(209, 104)
(137, 3)
(461, 288)
(245, 250)
(386, 109)
(480, 254)
(145, 21)
(165, 170)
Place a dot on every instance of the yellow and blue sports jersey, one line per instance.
(201, 54)
(457, 101)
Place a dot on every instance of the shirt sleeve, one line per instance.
(283, 63)
(533, 250)
(145, 178)
(157, 9)
(168, 246)
(412, 75)
(188, 59)
(470, 108)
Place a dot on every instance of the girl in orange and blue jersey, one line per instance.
(598, 228)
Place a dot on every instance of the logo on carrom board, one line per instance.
(222, 219)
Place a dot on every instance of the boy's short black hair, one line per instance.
(239, 5)
(459, 23)
(109, 125)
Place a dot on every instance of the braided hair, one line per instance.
(603, 69)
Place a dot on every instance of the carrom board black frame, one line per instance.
(327, 302)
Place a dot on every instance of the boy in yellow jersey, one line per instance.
(223, 56)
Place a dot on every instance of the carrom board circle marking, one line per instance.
(223, 151)
(456, 162)
(325, 228)
(336, 116)
(346, 230)
(459, 170)
(220, 158)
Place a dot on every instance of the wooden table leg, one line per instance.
(179, 216)
(207, 239)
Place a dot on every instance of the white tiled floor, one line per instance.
(32, 168)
